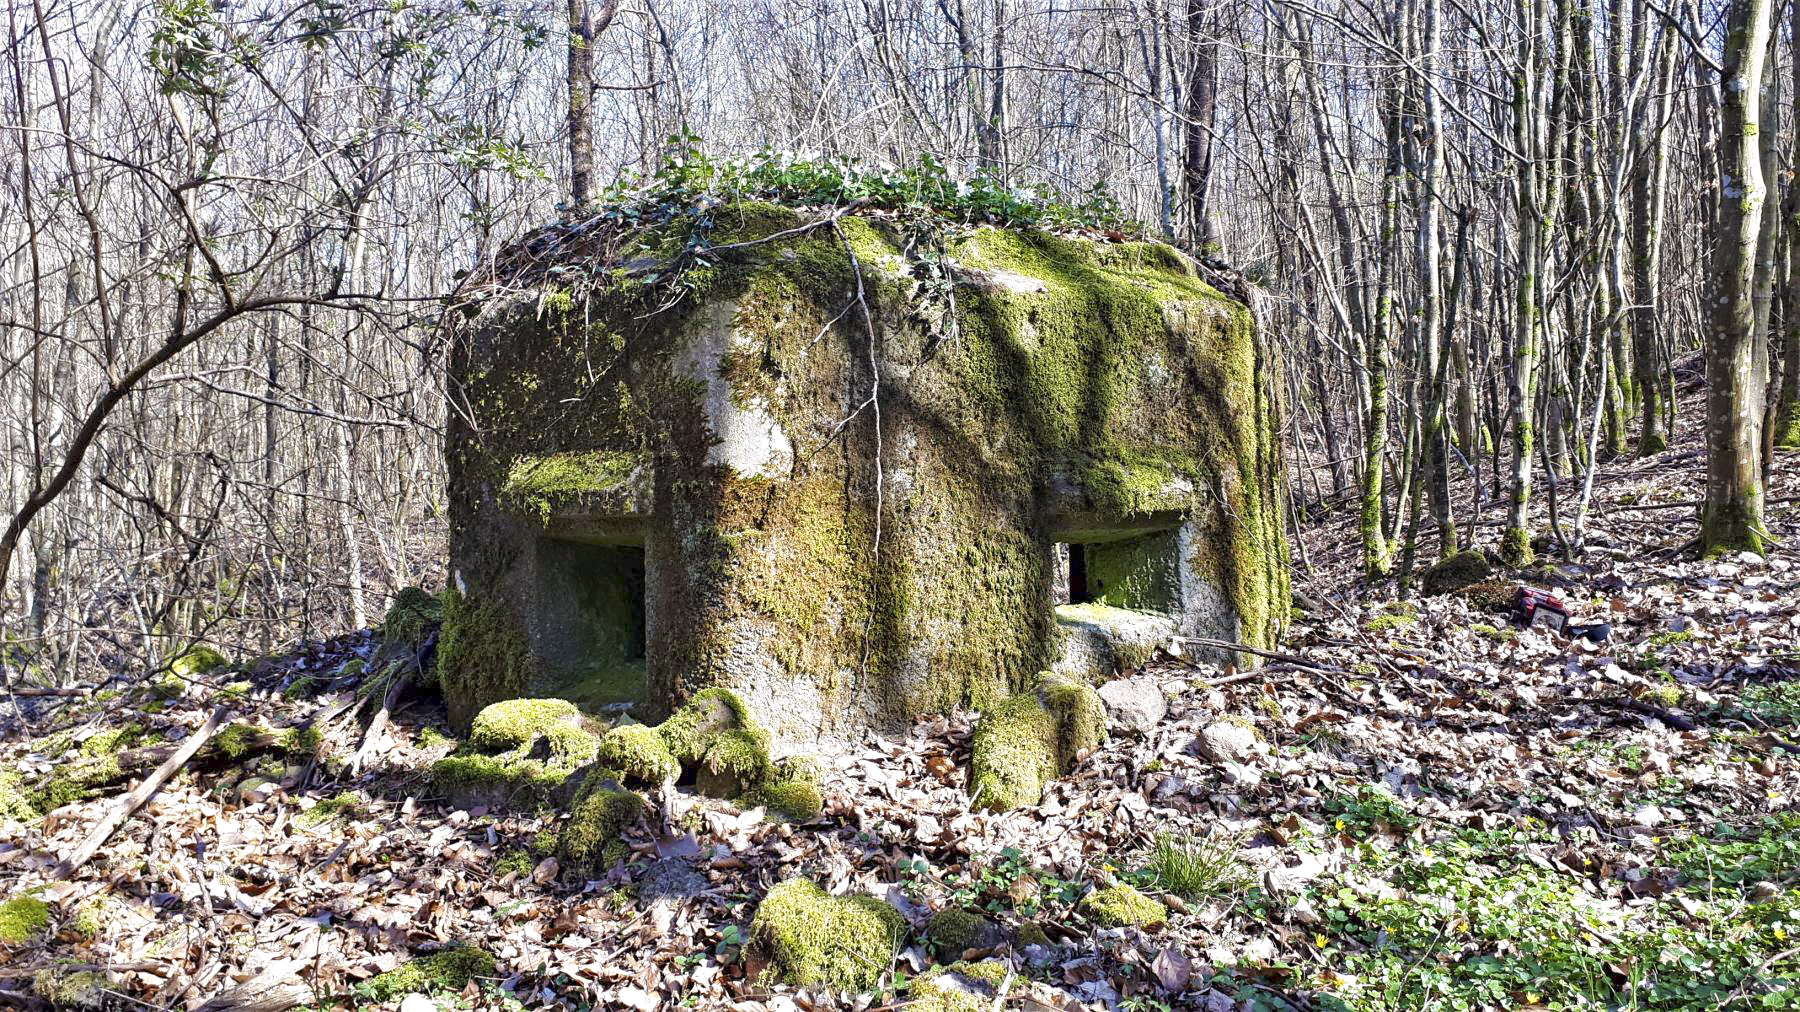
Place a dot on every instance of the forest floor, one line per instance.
(1436, 810)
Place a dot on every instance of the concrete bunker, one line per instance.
(849, 519)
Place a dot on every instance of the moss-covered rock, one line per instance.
(497, 781)
(415, 614)
(589, 840)
(814, 939)
(16, 802)
(1121, 906)
(960, 987)
(735, 762)
(1454, 572)
(345, 804)
(446, 971)
(691, 729)
(23, 918)
(1031, 933)
(517, 723)
(198, 659)
(66, 988)
(796, 800)
(1491, 595)
(1031, 739)
(638, 752)
(953, 930)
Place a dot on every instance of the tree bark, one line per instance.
(1732, 517)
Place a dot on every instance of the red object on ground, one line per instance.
(1540, 608)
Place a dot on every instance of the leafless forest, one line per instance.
(1490, 237)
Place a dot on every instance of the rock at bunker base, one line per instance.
(1032, 738)
(813, 939)
(1134, 704)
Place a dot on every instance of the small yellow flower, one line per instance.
(1340, 824)
(1532, 998)
(1319, 941)
(1780, 933)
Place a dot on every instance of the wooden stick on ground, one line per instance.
(131, 802)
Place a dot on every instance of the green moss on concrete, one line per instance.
(960, 987)
(798, 800)
(691, 730)
(742, 753)
(515, 723)
(588, 841)
(1031, 739)
(446, 971)
(814, 939)
(1014, 754)
(1126, 373)
(638, 752)
(23, 918)
(540, 485)
(481, 657)
(1122, 905)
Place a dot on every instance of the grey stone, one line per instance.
(670, 879)
(1225, 742)
(1134, 704)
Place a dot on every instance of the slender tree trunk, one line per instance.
(1732, 517)
(581, 103)
(1202, 111)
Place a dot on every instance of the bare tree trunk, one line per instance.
(1202, 113)
(1732, 518)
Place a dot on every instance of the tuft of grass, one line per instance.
(1200, 869)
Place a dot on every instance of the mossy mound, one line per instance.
(23, 918)
(518, 754)
(814, 939)
(415, 614)
(1121, 906)
(589, 841)
(960, 987)
(638, 752)
(496, 781)
(953, 930)
(68, 988)
(15, 803)
(1032, 738)
(1491, 595)
(517, 723)
(691, 729)
(735, 762)
(197, 660)
(796, 800)
(1455, 572)
(444, 971)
